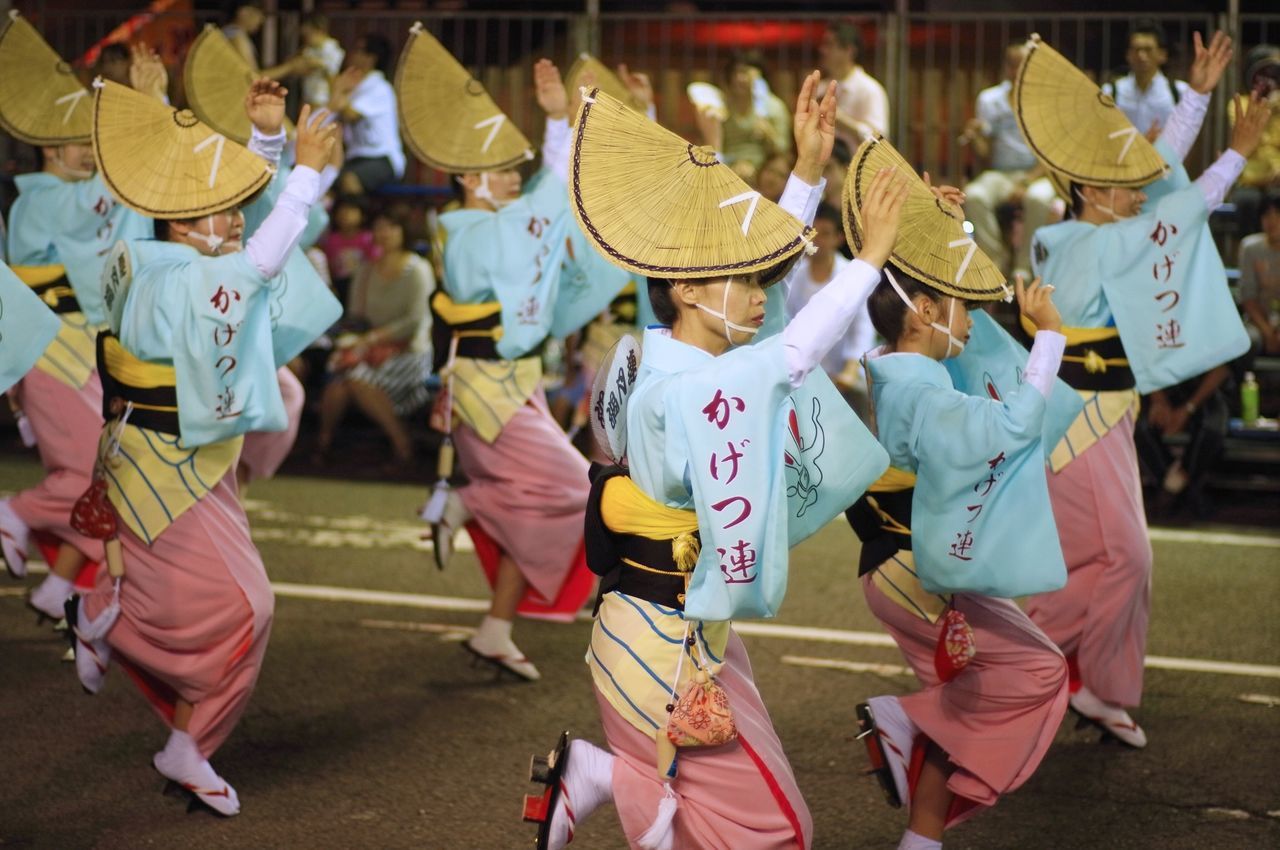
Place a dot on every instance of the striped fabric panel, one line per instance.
(72, 355)
(635, 650)
(1102, 411)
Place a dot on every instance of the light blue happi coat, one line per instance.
(762, 465)
(221, 325)
(1157, 277)
(27, 326)
(993, 365)
(74, 224)
(531, 257)
(981, 521)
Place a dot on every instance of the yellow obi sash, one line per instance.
(151, 479)
(486, 390)
(70, 356)
(1103, 409)
(636, 645)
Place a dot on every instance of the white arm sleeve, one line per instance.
(555, 148)
(278, 235)
(801, 200)
(268, 147)
(1183, 126)
(1045, 360)
(1218, 178)
(328, 176)
(821, 324)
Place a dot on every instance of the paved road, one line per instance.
(369, 729)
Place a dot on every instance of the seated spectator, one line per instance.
(1197, 408)
(1262, 170)
(759, 124)
(365, 102)
(317, 63)
(1260, 279)
(348, 246)
(1013, 176)
(842, 364)
(862, 110)
(1145, 94)
(384, 366)
(246, 20)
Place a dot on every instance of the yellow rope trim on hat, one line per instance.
(39, 275)
(129, 370)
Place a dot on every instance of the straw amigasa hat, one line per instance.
(216, 79)
(1075, 129)
(163, 162)
(603, 78)
(656, 205)
(932, 245)
(447, 117)
(41, 100)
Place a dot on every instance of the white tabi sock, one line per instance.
(587, 782)
(896, 726)
(180, 760)
(914, 841)
(494, 637)
(52, 595)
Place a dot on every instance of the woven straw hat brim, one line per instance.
(447, 118)
(604, 79)
(216, 79)
(165, 163)
(658, 206)
(1076, 129)
(932, 245)
(42, 102)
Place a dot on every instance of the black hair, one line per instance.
(745, 59)
(1147, 26)
(380, 47)
(1270, 201)
(829, 213)
(114, 50)
(848, 34)
(841, 153)
(357, 201)
(1076, 199)
(664, 307)
(316, 20)
(888, 313)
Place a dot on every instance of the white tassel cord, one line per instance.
(661, 834)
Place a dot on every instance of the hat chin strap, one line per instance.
(952, 342)
(1109, 210)
(211, 240)
(484, 193)
(721, 315)
(73, 172)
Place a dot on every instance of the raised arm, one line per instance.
(1206, 70)
(821, 324)
(551, 96)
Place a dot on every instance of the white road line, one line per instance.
(851, 666)
(771, 630)
(1260, 699)
(1178, 535)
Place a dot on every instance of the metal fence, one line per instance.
(933, 65)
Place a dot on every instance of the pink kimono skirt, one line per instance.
(528, 494)
(195, 614)
(732, 797)
(1100, 618)
(996, 719)
(67, 424)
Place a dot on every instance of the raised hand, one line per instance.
(147, 72)
(549, 90)
(316, 137)
(639, 85)
(710, 127)
(264, 104)
(814, 123)
(881, 214)
(1252, 114)
(946, 194)
(1036, 304)
(1210, 62)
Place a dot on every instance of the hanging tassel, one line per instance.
(661, 834)
(434, 510)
